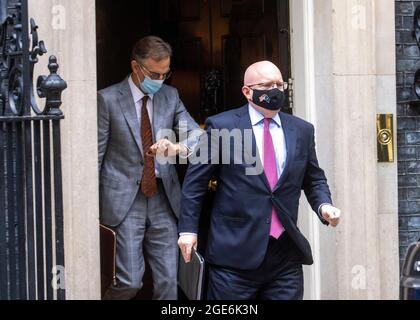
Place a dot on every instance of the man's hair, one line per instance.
(151, 47)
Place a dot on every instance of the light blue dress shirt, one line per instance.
(277, 134)
(279, 141)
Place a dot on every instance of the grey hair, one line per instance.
(151, 47)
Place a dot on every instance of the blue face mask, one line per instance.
(150, 86)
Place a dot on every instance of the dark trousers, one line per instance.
(279, 277)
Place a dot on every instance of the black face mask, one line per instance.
(272, 99)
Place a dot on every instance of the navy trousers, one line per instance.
(279, 277)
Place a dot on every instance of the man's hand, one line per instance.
(166, 148)
(186, 243)
(331, 214)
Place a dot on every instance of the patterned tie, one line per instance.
(148, 181)
(270, 169)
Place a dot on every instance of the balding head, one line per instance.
(261, 72)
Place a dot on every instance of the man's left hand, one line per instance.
(331, 214)
(165, 148)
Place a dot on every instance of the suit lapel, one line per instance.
(244, 123)
(128, 109)
(290, 137)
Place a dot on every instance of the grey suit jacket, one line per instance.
(121, 151)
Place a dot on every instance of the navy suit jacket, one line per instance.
(241, 213)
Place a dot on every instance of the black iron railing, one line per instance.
(31, 204)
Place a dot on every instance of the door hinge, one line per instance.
(291, 93)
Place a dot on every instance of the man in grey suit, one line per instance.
(140, 196)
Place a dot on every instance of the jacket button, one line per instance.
(268, 221)
(138, 182)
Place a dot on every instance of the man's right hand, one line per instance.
(186, 243)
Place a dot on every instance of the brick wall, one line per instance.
(408, 118)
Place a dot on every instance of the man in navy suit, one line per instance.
(255, 249)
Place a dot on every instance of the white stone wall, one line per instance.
(68, 29)
(355, 80)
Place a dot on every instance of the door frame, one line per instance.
(303, 74)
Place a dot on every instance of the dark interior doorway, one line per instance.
(213, 40)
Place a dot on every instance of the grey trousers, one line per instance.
(150, 228)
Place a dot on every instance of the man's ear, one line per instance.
(134, 66)
(247, 93)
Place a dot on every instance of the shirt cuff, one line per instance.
(187, 234)
(189, 153)
(319, 211)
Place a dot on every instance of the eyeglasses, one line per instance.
(269, 85)
(155, 75)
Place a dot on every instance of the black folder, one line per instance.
(108, 240)
(191, 276)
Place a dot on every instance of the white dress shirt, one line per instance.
(277, 134)
(137, 97)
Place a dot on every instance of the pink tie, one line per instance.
(270, 168)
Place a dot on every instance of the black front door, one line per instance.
(215, 41)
